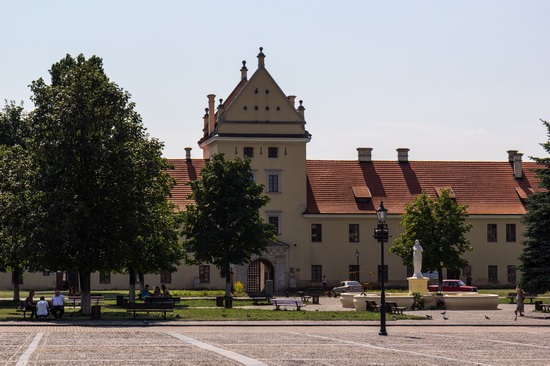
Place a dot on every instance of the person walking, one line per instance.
(520, 306)
(325, 283)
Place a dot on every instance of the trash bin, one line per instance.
(219, 300)
(96, 311)
(538, 305)
(120, 300)
(228, 302)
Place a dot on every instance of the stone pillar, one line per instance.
(418, 284)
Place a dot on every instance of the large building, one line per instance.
(325, 209)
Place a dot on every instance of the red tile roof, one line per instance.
(489, 188)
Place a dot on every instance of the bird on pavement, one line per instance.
(486, 317)
(443, 313)
(444, 317)
(429, 316)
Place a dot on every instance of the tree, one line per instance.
(16, 196)
(535, 256)
(440, 225)
(96, 203)
(224, 225)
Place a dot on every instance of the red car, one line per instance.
(452, 285)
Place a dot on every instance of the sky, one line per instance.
(451, 80)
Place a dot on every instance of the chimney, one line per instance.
(301, 109)
(205, 120)
(292, 100)
(511, 154)
(364, 154)
(518, 173)
(188, 153)
(211, 114)
(261, 58)
(243, 71)
(403, 155)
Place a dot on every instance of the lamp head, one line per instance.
(382, 213)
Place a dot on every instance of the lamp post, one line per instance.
(357, 257)
(381, 234)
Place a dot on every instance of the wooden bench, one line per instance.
(77, 300)
(371, 305)
(287, 302)
(159, 307)
(257, 297)
(154, 300)
(392, 308)
(512, 296)
(303, 296)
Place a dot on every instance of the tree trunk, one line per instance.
(85, 281)
(72, 280)
(141, 277)
(132, 291)
(440, 275)
(15, 276)
(228, 303)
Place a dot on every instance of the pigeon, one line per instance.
(443, 313)
(429, 316)
(177, 316)
(486, 317)
(444, 317)
(224, 315)
(248, 315)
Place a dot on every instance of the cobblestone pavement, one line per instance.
(466, 338)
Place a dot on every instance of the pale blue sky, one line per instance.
(451, 80)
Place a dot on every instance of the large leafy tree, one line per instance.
(100, 175)
(440, 225)
(16, 195)
(535, 257)
(223, 226)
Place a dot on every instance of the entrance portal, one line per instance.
(258, 273)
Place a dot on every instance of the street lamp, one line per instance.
(357, 257)
(381, 234)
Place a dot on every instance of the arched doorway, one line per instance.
(259, 271)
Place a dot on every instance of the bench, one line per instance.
(77, 299)
(392, 308)
(159, 307)
(154, 300)
(287, 302)
(303, 296)
(545, 308)
(22, 309)
(257, 297)
(371, 305)
(512, 296)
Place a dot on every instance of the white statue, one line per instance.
(417, 259)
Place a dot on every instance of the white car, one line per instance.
(346, 286)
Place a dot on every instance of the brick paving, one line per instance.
(466, 338)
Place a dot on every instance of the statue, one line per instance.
(417, 259)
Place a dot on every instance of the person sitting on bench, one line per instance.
(30, 305)
(58, 305)
(42, 308)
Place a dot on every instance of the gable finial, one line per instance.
(261, 58)
(243, 71)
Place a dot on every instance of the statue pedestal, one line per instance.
(418, 284)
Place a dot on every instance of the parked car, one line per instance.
(452, 285)
(346, 286)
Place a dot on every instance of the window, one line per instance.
(105, 278)
(272, 152)
(493, 274)
(316, 273)
(510, 233)
(274, 220)
(248, 152)
(273, 182)
(385, 273)
(492, 233)
(354, 233)
(204, 274)
(353, 272)
(316, 232)
(511, 271)
(165, 277)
